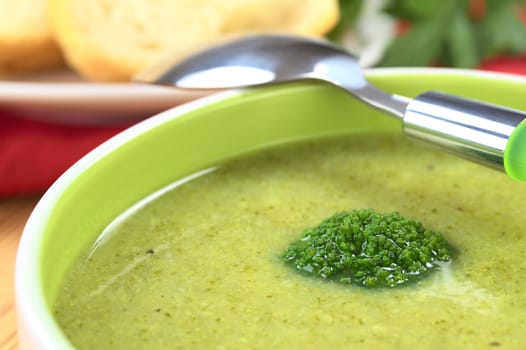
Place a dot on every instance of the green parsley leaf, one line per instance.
(415, 48)
(501, 31)
(414, 10)
(462, 50)
(349, 11)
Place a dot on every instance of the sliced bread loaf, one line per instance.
(26, 42)
(111, 40)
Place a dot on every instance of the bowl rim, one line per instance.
(36, 325)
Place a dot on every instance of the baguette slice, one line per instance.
(111, 40)
(26, 42)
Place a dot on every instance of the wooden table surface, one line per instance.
(13, 215)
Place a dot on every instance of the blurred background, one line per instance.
(93, 44)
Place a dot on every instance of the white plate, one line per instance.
(63, 97)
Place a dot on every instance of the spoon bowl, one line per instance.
(256, 60)
(271, 59)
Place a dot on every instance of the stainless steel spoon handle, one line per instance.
(469, 128)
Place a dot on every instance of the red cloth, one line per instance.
(506, 64)
(34, 153)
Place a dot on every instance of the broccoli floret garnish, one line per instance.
(368, 249)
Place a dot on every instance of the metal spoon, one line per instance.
(488, 134)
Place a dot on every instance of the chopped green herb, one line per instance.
(368, 249)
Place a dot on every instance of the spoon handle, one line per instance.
(485, 133)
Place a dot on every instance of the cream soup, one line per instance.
(200, 266)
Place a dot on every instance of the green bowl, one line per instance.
(186, 139)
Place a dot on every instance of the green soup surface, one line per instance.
(200, 266)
